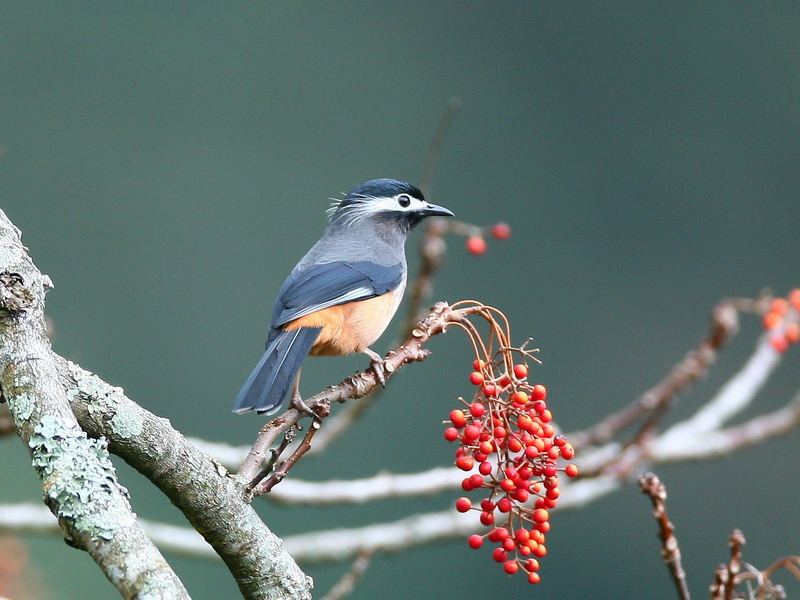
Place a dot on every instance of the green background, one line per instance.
(168, 163)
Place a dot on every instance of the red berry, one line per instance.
(540, 515)
(476, 378)
(478, 364)
(519, 397)
(465, 463)
(499, 555)
(498, 534)
(487, 518)
(543, 527)
(571, 471)
(489, 390)
(451, 434)
(531, 565)
(540, 550)
(504, 505)
(485, 468)
(487, 504)
(510, 567)
(520, 371)
(471, 432)
(507, 485)
(476, 480)
(477, 410)
(779, 343)
(792, 333)
(501, 231)
(463, 504)
(457, 418)
(521, 495)
(539, 392)
(475, 541)
(476, 245)
(534, 577)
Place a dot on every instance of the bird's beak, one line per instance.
(433, 210)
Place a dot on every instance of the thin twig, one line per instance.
(348, 581)
(278, 474)
(435, 147)
(655, 401)
(670, 552)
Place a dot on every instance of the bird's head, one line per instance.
(395, 203)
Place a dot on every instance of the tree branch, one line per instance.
(79, 481)
(212, 502)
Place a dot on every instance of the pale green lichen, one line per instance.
(24, 405)
(127, 424)
(78, 477)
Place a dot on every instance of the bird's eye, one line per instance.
(404, 200)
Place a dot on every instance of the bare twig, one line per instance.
(435, 147)
(347, 583)
(670, 552)
(655, 401)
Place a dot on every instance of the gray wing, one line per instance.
(329, 284)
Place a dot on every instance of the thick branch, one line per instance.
(79, 481)
(199, 486)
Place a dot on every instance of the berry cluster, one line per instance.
(781, 319)
(508, 443)
(476, 243)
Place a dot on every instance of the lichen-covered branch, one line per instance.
(78, 479)
(199, 486)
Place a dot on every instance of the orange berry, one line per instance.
(771, 320)
(571, 471)
(476, 245)
(520, 371)
(794, 298)
(779, 305)
(792, 333)
(534, 577)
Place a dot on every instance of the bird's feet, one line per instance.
(378, 366)
(300, 405)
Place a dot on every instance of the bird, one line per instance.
(342, 294)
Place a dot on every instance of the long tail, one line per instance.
(274, 374)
